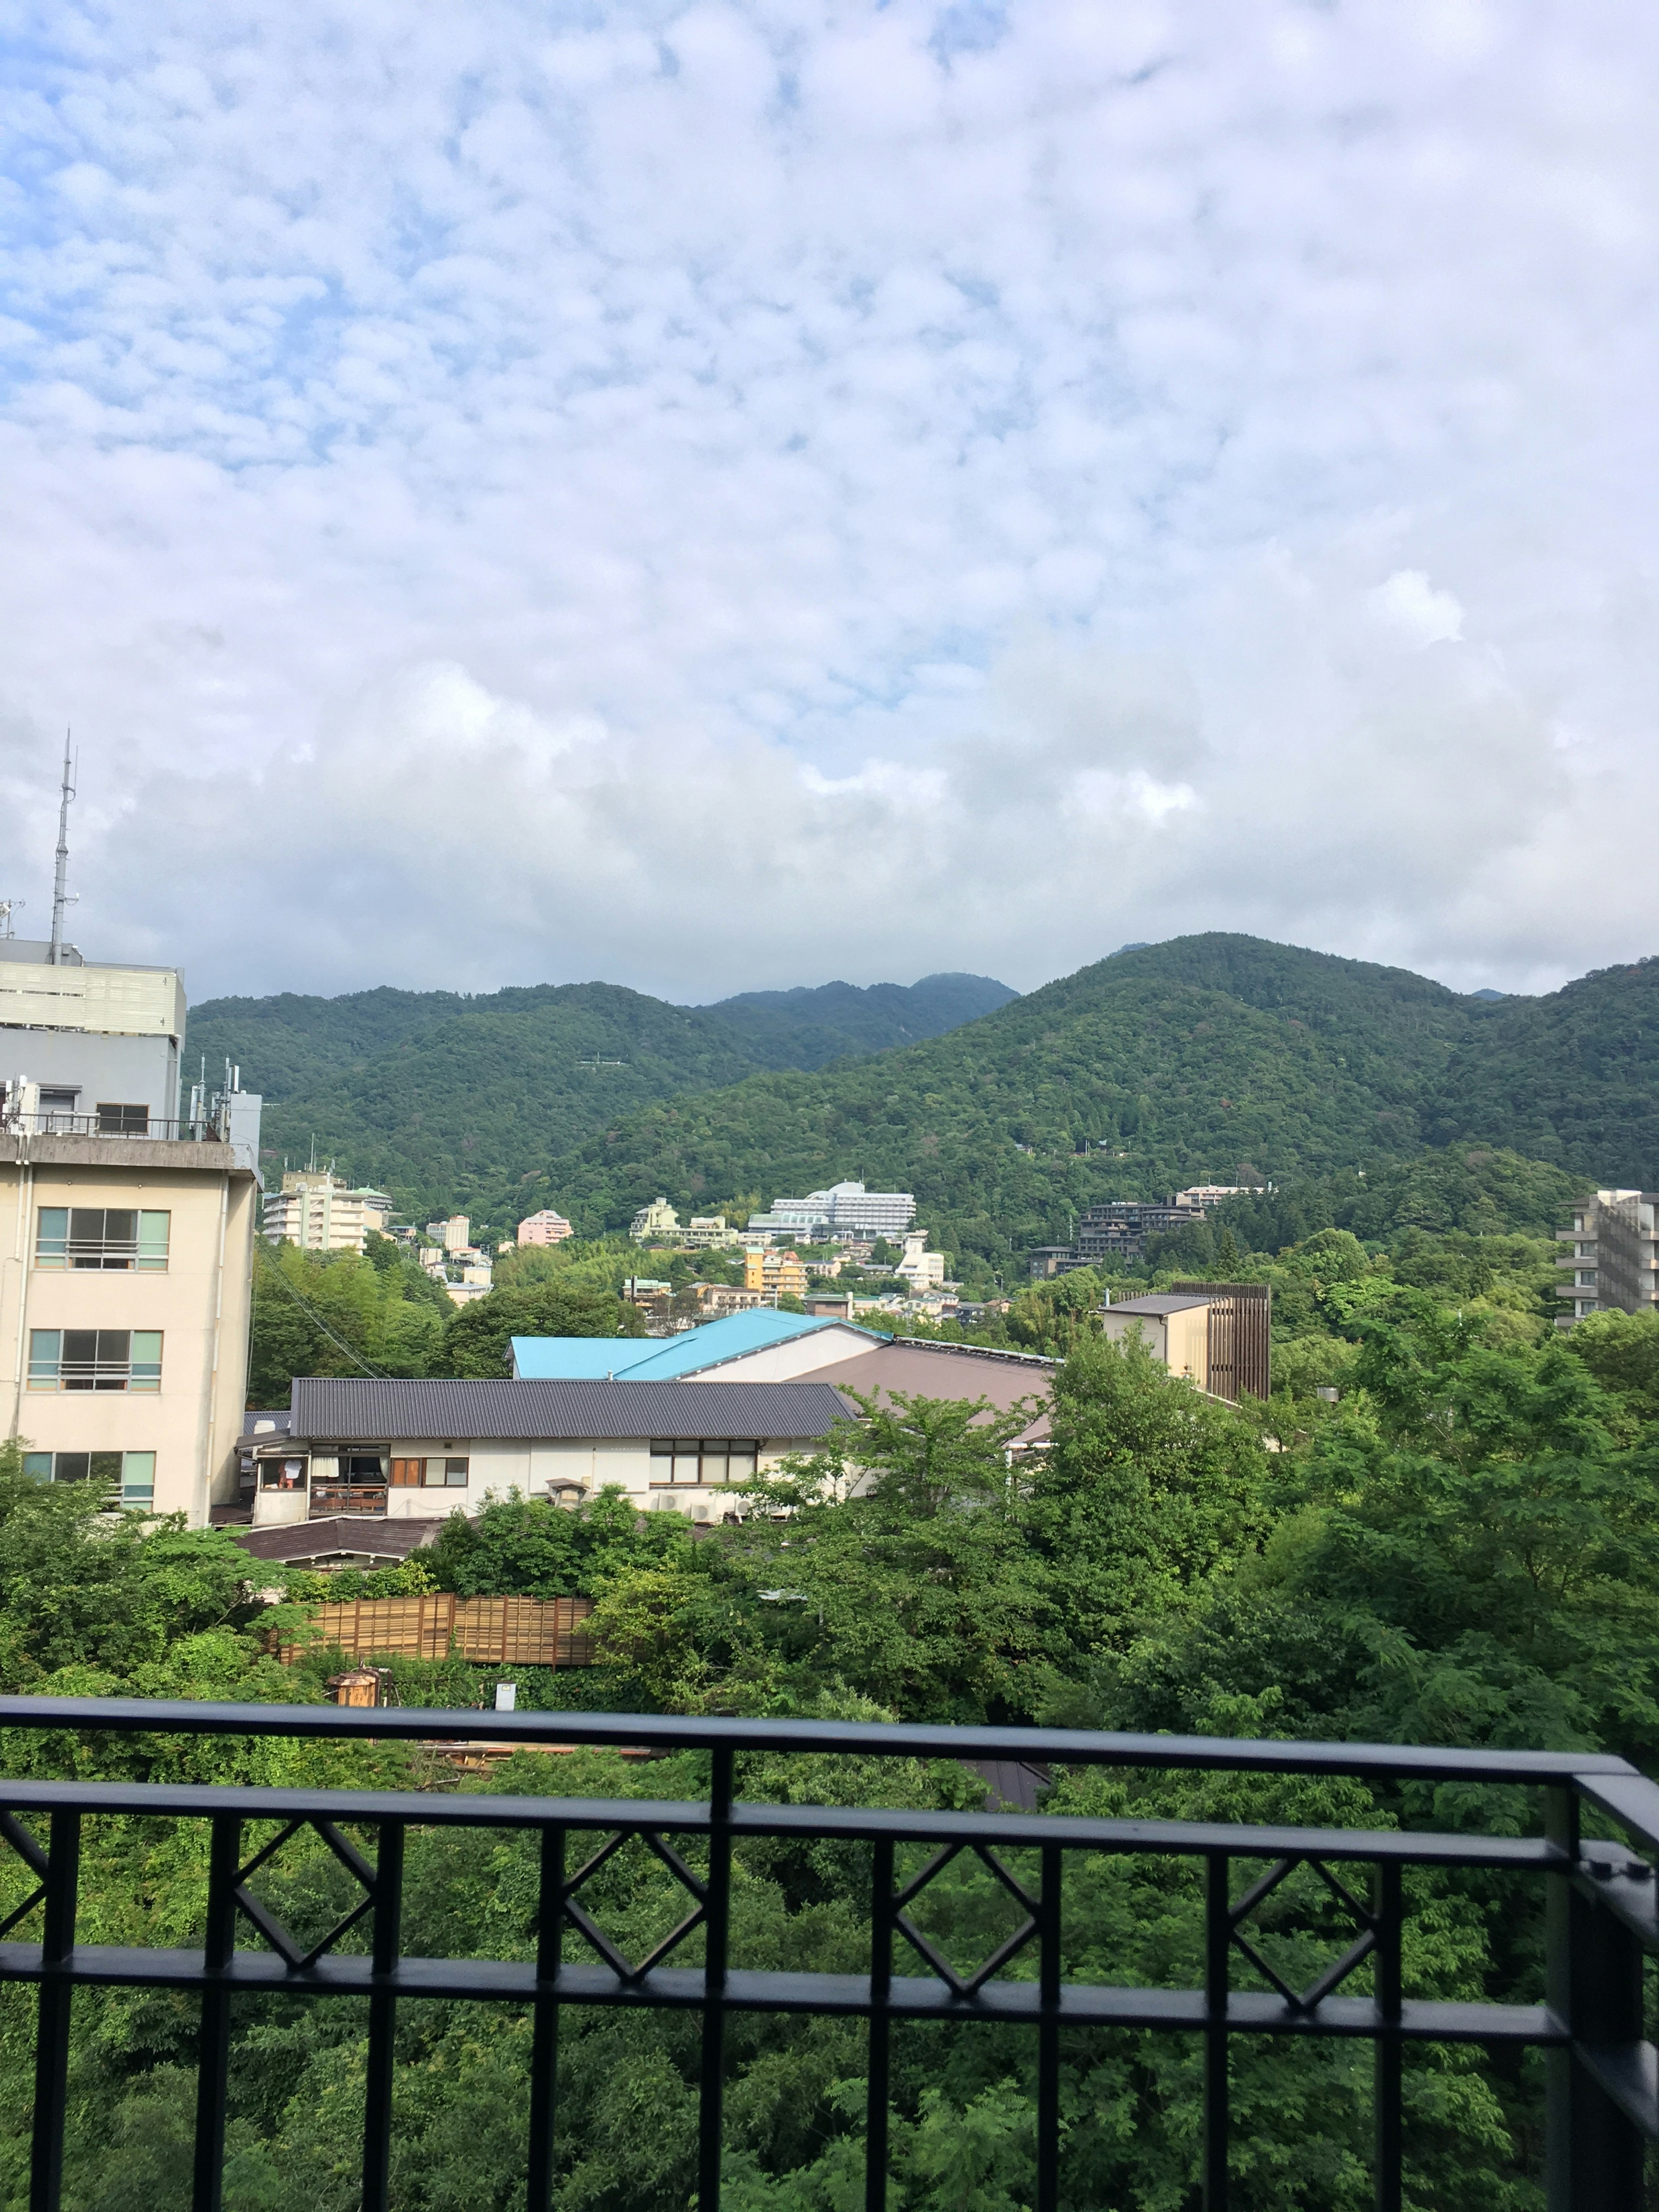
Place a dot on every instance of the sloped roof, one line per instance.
(922, 1369)
(350, 1409)
(1157, 1302)
(545, 1358)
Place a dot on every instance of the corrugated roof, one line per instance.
(349, 1409)
(566, 1358)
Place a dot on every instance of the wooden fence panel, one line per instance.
(493, 1631)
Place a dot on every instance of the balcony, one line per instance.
(335, 1496)
(1601, 2104)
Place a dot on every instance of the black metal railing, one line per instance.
(1602, 2097)
(209, 1128)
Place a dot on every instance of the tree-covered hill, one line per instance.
(1210, 1059)
(805, 1029)
(1572, 1077)
(454, 1100)
(1214, 1058)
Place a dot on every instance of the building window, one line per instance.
(94, 1360)
(131, 1473)
(446, 1474)
(286, 1474)
(123, 1120)
(687, 1463)
(112, 1238)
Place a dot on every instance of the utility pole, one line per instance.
(60, 897)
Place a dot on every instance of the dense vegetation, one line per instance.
(454, 1101)
(1460, 1548)
(1209, 1059)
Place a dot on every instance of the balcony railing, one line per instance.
(209, 1129)
(1602, 2098)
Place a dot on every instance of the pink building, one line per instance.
(544, 1228)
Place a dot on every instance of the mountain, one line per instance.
(1214, 1058)
(813, 1026)
(449, 1100)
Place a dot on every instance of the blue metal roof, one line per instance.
(660, 1359)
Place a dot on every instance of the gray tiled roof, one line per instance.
(346, 1409)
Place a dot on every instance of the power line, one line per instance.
(272, 1268)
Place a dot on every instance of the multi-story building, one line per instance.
(708, 1232)
(1613, 1258)
(655, 1223)
(845, 1209)
(775, 1273)
(1119, 1231)
(921, 1269)
(454, 1235)
(544, 1228)
(126, 1236)
(315, 1210)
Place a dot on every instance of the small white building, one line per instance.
(379, 1448)
(921, 1269)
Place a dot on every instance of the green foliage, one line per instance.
(455, 1103)
(517, 1547)
(333, 1313)
(478, 1339)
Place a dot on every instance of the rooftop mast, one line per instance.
(60, 897)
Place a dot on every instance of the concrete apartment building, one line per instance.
(127, 1236)
(315, 1210)
(1218, 1335)
(1613, 1258)
(546, 1227)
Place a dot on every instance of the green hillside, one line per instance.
(1572, 1077)
(452, 1101)
(1210, 1059)
(805, 1029)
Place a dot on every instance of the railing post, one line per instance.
(1218, 1947)
(1048, 2144)
(382, 2019)
(1594, 2154)
(1388, 2054)
(881, 2024)
(717, 1925)
(52, 2033)
(545, 2046)
(213, 2062)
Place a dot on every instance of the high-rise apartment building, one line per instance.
(1615, 1256)
(546, 1227)
(315, 1210)
(127, 1236)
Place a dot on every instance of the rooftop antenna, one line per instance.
(8, 907)
(60, 897)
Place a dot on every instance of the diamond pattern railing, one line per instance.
(1602, 1915)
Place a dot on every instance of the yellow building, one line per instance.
(775, 1273)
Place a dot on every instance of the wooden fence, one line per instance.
(497, 1631)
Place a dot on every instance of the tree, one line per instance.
(477, 1341)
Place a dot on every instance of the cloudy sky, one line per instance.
(721, 495)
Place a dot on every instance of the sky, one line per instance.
(722, 496)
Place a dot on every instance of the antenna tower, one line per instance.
(60, 897)
(8, 909)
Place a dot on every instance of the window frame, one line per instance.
(705, 1453)
(96, 1364)
(454, 1471)
(132, 1479)
(58, 1249)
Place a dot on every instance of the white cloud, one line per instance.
(711, 495)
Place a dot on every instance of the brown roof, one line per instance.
(342, 1540)
(923, 1370)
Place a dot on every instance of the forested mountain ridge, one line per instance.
(448, 1100)
(1209, 1059)
(1215, 1058)
(805, 1028)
